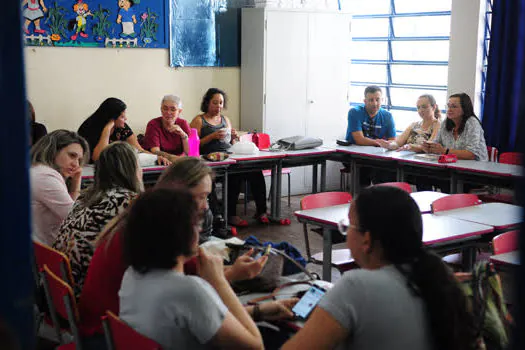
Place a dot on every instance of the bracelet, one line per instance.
(256, 313)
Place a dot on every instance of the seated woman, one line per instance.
(158, 300)
(118, 179)
(107, 125)
(55, 158)
(417, 133)
(461, 133)
(403, 297)
(167, 136)
(37, 130)
(100, 292)
(212, 128)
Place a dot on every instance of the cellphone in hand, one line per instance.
(308, 302)
(263, 252)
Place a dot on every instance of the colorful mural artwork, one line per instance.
(96, 23)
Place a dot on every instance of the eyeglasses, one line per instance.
(343, 227)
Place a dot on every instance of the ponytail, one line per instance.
(450, 321)
(437, 113)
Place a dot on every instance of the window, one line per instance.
(401, 46)
(486, 46)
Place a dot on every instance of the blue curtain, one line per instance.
(506, 66)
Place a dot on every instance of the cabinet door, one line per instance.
(328, 81)
(286, 78)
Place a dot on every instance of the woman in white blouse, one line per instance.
(461, 133)
(55, 158)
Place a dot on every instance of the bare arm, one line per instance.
(435, 130)
(361, 140)
(437, 148)
(196, 123)
(103, 142)
(157, 151)
(321, 331)
(402, 139)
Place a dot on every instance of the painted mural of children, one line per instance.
(82, 11)
(126, 17)
(33, 13)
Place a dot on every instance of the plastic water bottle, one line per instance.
(194, 143)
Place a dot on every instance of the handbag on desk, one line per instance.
(296, 143)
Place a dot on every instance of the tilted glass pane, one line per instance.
(403, 119)
(408, 97)
(435, 50)
(421, 26)
(413, 6)
(420, 75)
(366, 7)
(369, 27)
(375, 73)
(369, 50)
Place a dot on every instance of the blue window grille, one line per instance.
(401, 46)
(486, 46)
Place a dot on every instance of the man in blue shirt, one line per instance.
(368, 123)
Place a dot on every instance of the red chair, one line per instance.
(402, 185)
(505, 158)
(492, 153)
(120, 336)
(341, 258)
(56, 261)
(505, 242)
(61, 302)
(515, 158)
(455, 201)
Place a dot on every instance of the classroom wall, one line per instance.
(66, 85)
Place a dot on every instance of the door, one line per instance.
(286, 80)
(328, 81)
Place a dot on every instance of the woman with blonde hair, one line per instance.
(118, 179)
(55, 158)
(417, 133)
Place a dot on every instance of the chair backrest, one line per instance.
(511, 158)
(402, 185)
(455, 201)
(492, 152)
(505, 242)
(56, 261)
(61, 302)
(325, 199)
(120, 336)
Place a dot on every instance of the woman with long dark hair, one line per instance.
(403, 297)
(107, 125)
(461, 133)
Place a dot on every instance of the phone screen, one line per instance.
(310, 299)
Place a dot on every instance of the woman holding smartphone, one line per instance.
(403, 297)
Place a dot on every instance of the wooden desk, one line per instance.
(501, 216)
(508, 259)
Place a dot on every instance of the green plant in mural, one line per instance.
(148, 26)
(57, 22)
(101, 28)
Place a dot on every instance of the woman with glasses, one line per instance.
(403, 297)
(461, 133)
(413, 138)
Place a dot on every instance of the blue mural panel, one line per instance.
(205, 33)
(95, 23)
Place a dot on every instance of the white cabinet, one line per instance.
(295, 78)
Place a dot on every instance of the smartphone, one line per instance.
(343, 142)
(308, 302)
(265, 251)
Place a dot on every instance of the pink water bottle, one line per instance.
(194, 143)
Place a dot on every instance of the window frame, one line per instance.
(390, 61)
